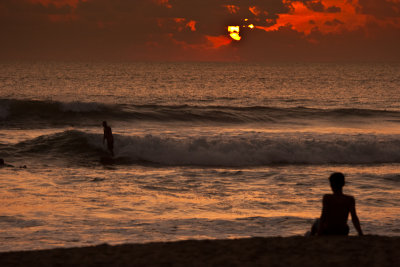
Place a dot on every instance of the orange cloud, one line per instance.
(192, 25)
(212, 48)
(218, 41)
(179, 20)
(163, 3)
(183, 23)
(255, 10)
(232, 9)
(303, 19)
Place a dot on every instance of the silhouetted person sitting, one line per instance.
(335, 210)
(109, 137)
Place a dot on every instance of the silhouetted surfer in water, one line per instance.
(335, 210)
(109, 137)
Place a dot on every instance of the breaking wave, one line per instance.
(229, 151)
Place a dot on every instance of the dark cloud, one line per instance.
(120, 24)
(212, 16)
(289, 45)
(333, 9)
(349, 46)
(318, 6)
(95, 29)
(315, 6)
(334, 22)
(380, 8)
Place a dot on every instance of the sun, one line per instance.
(234, 31)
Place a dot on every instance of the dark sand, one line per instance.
(275, 251)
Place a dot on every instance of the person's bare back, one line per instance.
(336, 208)
(335, 212)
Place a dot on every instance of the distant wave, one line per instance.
(51, 112)
(63, 144)
(33, 112)
(229, 151)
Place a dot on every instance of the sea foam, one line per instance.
(221, 150)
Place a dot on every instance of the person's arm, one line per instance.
(322, 220)
(354, 217)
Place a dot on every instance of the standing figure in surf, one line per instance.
(109, 137)
(335, 210)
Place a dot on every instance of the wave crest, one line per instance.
(22, 112)
(229, 151)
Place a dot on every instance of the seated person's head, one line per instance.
(337, 181)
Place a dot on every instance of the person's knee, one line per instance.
(314, 227)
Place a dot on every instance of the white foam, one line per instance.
(255, 150)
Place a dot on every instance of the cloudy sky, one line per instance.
(196, 30)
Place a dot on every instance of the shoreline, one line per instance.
(271, 251)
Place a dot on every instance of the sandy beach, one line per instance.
(274, 251)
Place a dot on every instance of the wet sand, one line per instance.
(274, 251)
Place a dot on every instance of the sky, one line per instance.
(196, 30)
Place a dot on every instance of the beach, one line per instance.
(274, 251)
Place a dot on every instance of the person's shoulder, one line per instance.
(350, 199)
(348, 196)
(327, 197)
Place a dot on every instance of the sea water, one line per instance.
(202, 150)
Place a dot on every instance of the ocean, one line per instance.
(202, 150)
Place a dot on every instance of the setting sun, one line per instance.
(234, 32)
